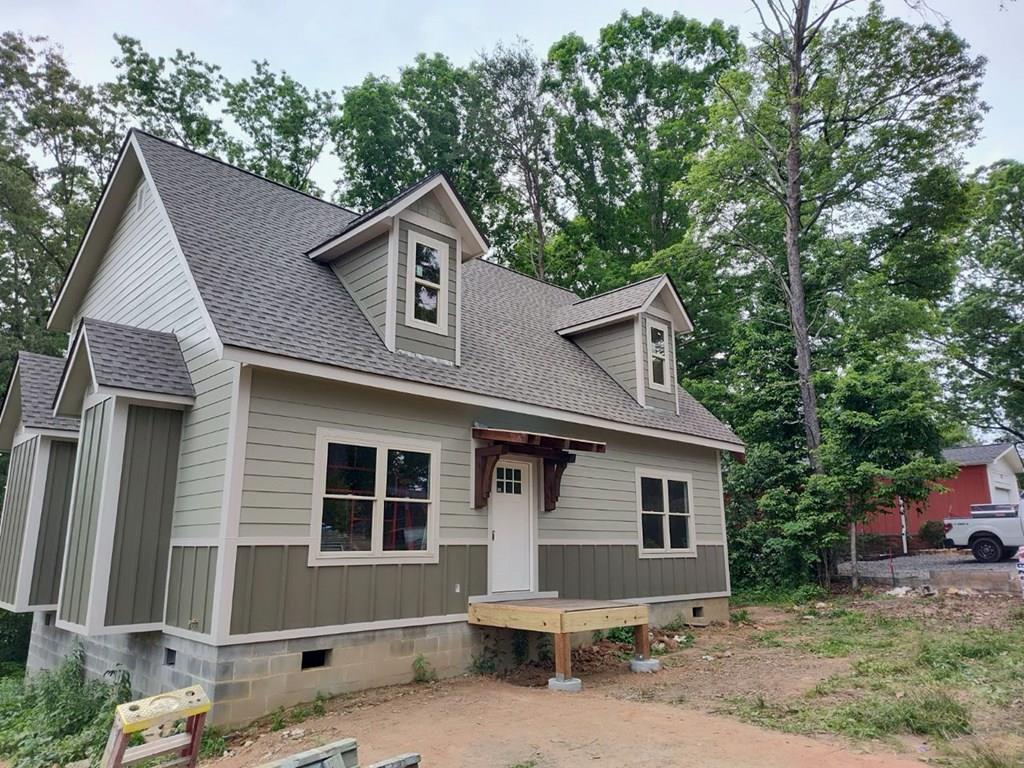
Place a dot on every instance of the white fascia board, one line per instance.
(1012, 449)
(679, 316)
(80, 348)
(599, 322)
(377, 381)
(10, 411)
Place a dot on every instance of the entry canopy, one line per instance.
(552, 450)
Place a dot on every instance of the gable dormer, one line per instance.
(630, 332)
(402, 264)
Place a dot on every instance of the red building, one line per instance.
(988, 475)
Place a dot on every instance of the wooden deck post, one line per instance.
(642, 641)
(563, 656)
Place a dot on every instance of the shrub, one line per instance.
(932, 534)
(58, 717)
(422, 672)
(15, 630)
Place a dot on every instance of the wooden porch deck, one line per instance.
(562, 617)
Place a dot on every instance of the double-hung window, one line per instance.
(374, 498)
(658, 363)
(665, 504)
(426, 287)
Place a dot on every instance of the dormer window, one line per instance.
(657, 355)
(426, 304)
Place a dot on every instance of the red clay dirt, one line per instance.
(481, 722)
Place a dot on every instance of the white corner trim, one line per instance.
(725, 532)
(458, 301)
(435, 392)
(665, 475)
(80, 343)
(391, 320)
(667, 369)
(415, 238)
(638, 344)
(377, 555)
(33, 519)
(211, 329)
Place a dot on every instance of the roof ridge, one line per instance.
(233, 167)
(621, 288)
(523, 274)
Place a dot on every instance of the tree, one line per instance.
(284, 126)
(630, 117)
(986, 342)
(171, 98)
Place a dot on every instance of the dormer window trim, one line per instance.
(665, 357)
(415, 279)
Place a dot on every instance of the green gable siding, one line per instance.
(53, 523)
(15, 516)
(190, 588)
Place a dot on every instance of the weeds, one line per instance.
(320, 705)
(806, 593)
(277, 720)
(422, 672)
(213, 744)
(484, 663)
(741, 616)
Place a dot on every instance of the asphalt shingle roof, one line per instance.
(40, 376)
(969, 455)
(629, 297)
(246, 240)
(127, 357)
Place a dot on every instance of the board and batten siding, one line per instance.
(416, 340)
(53, 523)
(598, 499)
(90, 464)
(145, 503)
(613, 347)
(275, 589)
(190, 588)
(615, 572)
(364, 272)
(14, 517)
(141, 281)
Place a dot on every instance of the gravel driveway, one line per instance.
(922, 564)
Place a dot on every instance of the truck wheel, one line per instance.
(987, 549)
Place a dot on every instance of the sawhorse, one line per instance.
(189, 704)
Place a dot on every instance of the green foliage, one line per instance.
(320, 704)
(277, 720)
(15, 632)
(622, 635)
(520, 646)
(769, 594)
(484, 663)
(213, 744)
(742, 616)
(422, 671)
(932, 533)
(58, 717)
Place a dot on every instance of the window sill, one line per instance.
(420, 325)
(666, 388)
(318, 560)
(661, 554)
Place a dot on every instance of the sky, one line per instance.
(330, 45)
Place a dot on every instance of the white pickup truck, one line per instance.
(992, 532)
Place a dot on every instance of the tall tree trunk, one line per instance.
(854, 564)
(796, 298)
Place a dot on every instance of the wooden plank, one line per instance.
(155, 748)
(606, 618)
(563, 656)
(514, 617)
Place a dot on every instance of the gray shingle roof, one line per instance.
(133, 358)
(969, 455)
(40, 377)
(246, 241)
(629, 297)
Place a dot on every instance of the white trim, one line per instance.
(388, 383)
(376, 555)
(5, 407)
(33, 519)
(672, 598)
(725, 534)
(400, 205)
(187, 634)
(345, 629)
(502, 596)
(665, 475)
(231, 504)
(638, 348)
(536, 502)
(458, 541)
(179, 402)
(70, 626)
(623, 542)
(72, 360)
(414, 238)
(600, 322)
(666, 385)
(194, 541)
(211, 329)
(413, 217)
(55, 434)
(458, 301)
(391, 321)
(270, 541)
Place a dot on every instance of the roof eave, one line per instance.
(10, 412)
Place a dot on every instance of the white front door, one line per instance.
(512, 550)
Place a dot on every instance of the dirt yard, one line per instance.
(876, 681)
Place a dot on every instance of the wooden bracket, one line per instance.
(553, 469)
(486, 458)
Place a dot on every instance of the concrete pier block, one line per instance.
(644, 665)
(566, 684)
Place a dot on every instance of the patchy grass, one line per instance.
(779, 596)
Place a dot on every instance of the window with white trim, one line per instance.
(666, 512)
(426, 290)
(374, 497)
(658, 363)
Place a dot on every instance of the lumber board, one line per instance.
(604, 618)
(514, 617)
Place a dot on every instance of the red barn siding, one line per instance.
(970, 486)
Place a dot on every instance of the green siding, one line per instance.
(612, 572)
(84, 517)
(275, 589)
(190, 588)
(145, 506)
(614, 349)
(15, 516)
(417, 340)
(53, 524)
(364, 273)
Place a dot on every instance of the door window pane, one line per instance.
(678, 499)
(351, 470)
(654, 531)
(678, 531)
(426, 303)
(347, 525)
(405, 526)
(428, 263)
(651, 498)
(408, 474)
